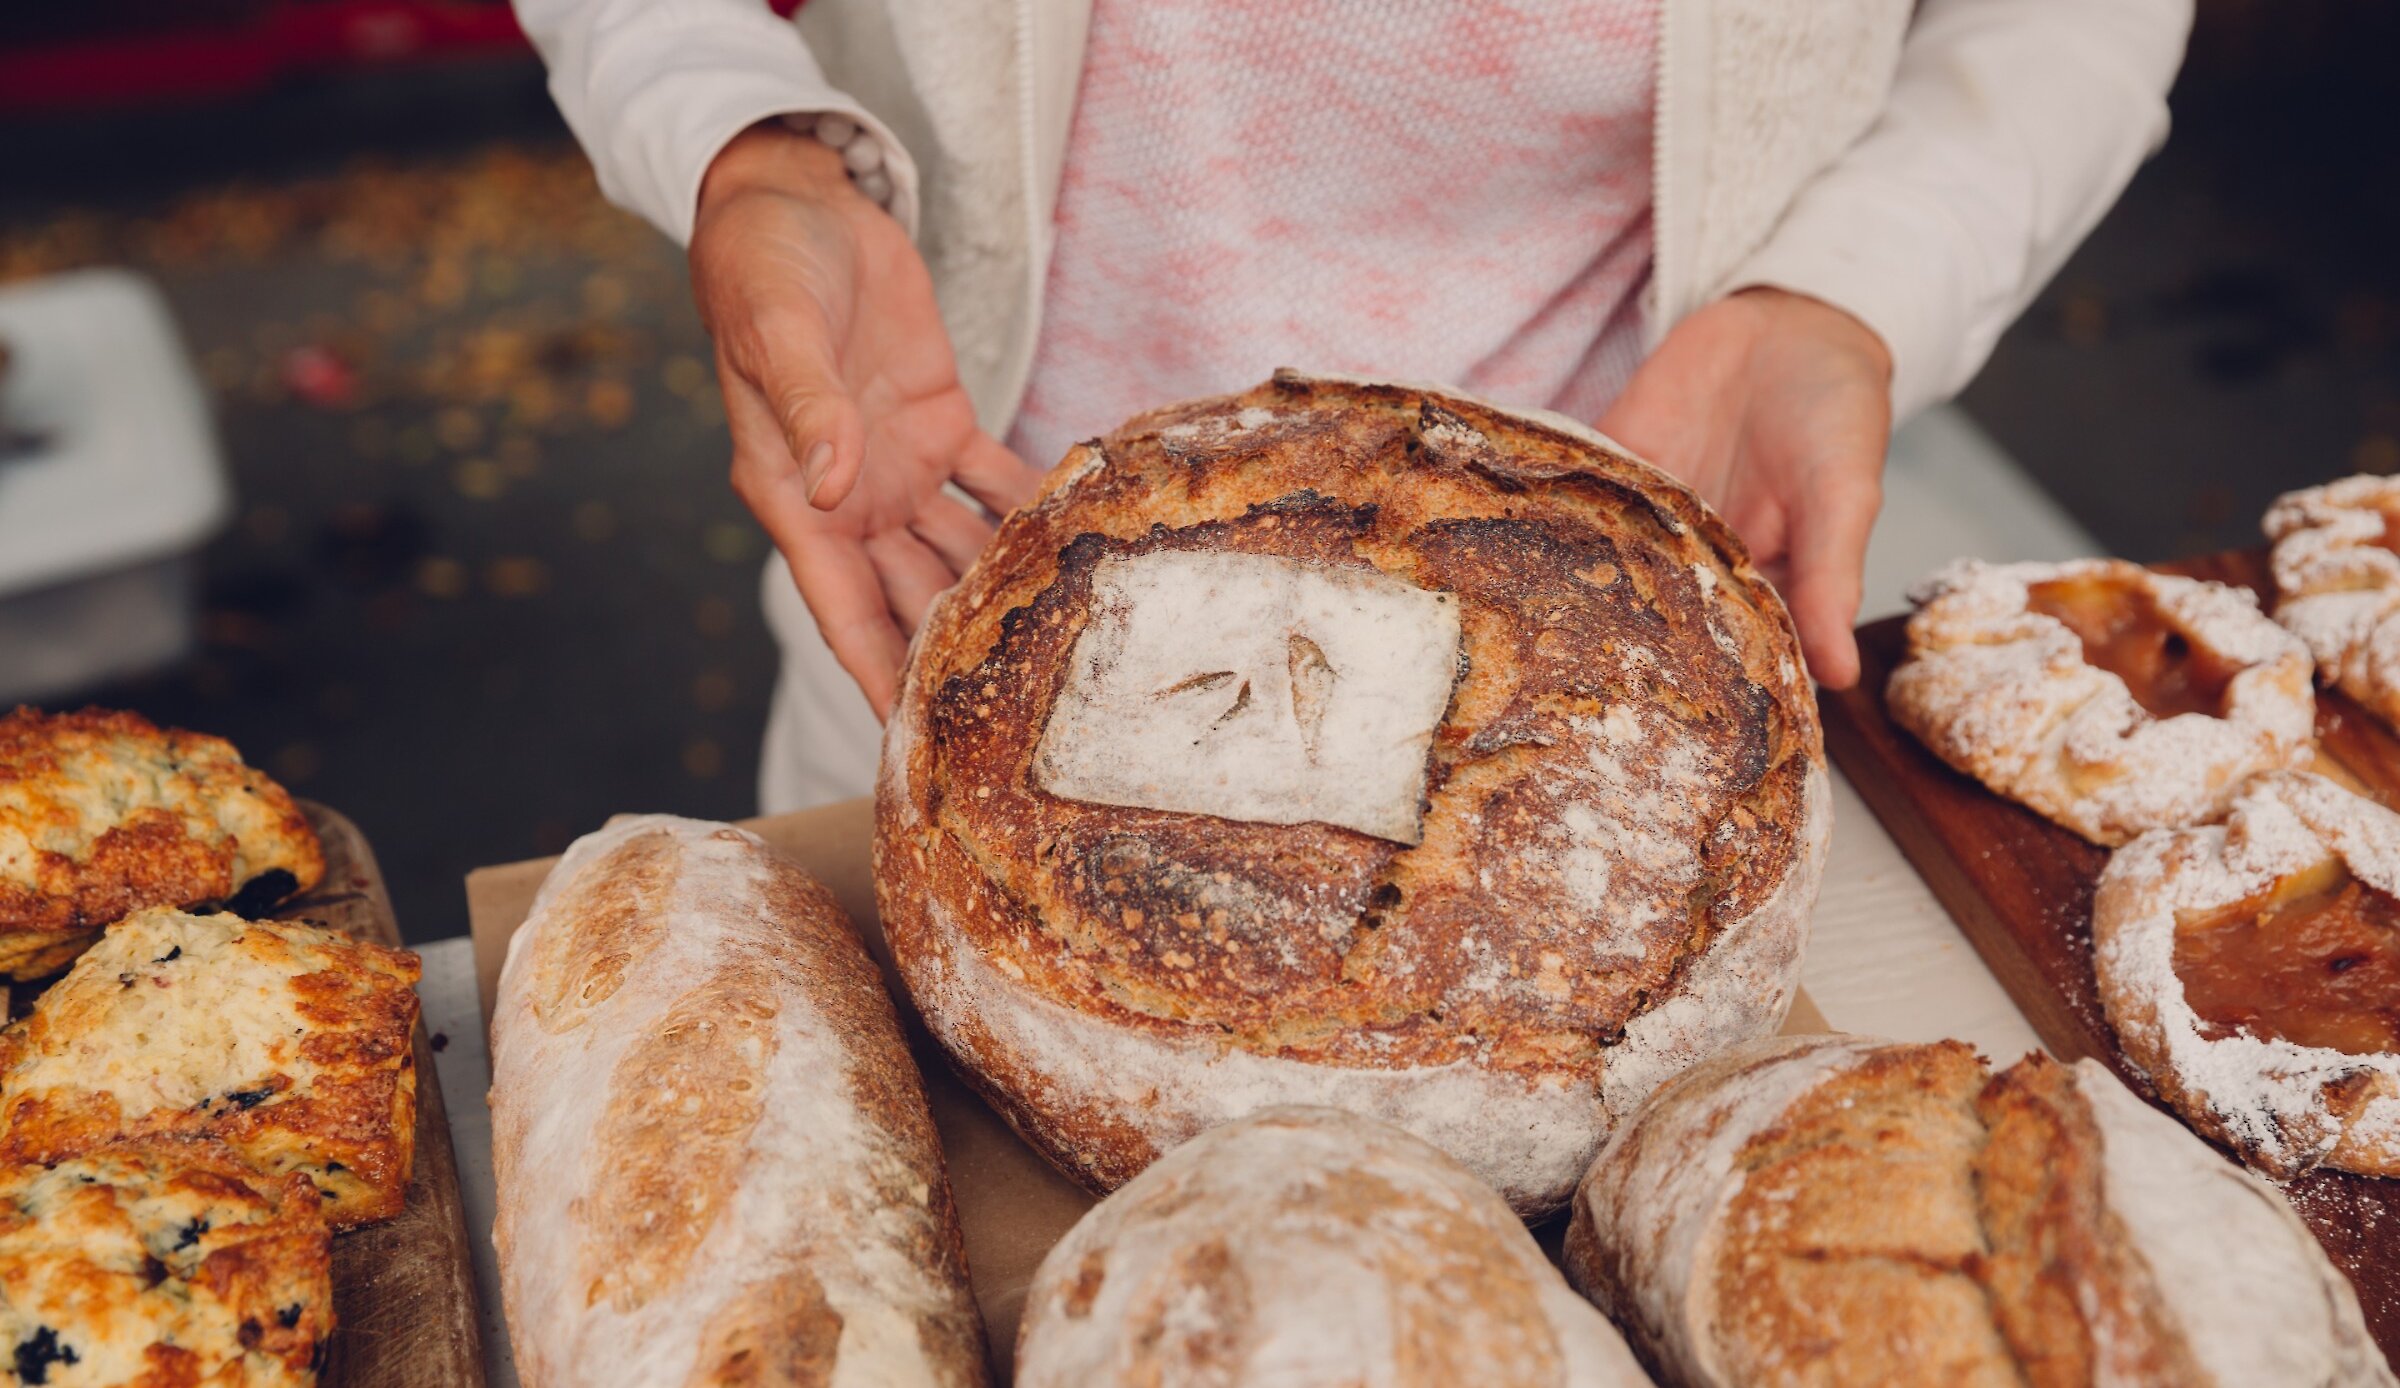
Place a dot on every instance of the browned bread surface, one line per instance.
(1839, 1211)
(1305, 1246)
(287, 1042)
(1621, 775)
(103, 813)
(714, 1157)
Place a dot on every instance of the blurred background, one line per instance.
(399, 460)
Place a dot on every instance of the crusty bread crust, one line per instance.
(2004, 694)
(2284, 1107)
(1840, 1210)
(715, 1162)
(103, 813)
(1622, 823)
(1309, 1246)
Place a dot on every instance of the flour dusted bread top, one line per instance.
(715, 1164)
(1350, 744)
(1845, 1211)
(1309, 1248)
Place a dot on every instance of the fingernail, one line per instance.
(812, 472)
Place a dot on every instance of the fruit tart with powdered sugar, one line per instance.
(1357, 745)
(2252, 971)
(2107, 697)
(2336, 561)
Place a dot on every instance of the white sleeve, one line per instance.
(2012, 126)
(654, 88)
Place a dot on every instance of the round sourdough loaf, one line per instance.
(1309, 1248)
(1358, 745)
(1838, 1211)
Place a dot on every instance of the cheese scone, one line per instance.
(102, 814)
(162, 1263)
(288, 1042)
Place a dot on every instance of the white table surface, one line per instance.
(1884, 958)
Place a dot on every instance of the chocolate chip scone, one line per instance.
(289, 1043)
(102, 814)
(162, 1263)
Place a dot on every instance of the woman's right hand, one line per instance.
(842, 397)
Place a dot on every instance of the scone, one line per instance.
(1353, 745)
(2252, 971)
(162, 1263)
(287, 1042)
(1834, 1211)
(2336, 561)
(2105, 696)
(102, 814)
(1309, 1248)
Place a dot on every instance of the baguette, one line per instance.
(714, 1157)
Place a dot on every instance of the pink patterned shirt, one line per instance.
(1419, 189)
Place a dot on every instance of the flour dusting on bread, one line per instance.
(723, 1170)
(1254, 688)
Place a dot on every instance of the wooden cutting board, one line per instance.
(2020, 888)
(403, 1290)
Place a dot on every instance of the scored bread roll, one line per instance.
(715, 1162)
(1309, 1248)
(1356, 745)
(1834, 1211)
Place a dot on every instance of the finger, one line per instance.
(1763, 525)
(831, 569)
(1828, 567)
(844, 592)
(995, 476)
(791, 360)
(953, 531)
(911, 573)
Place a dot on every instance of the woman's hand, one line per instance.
(842, 397)
(1776, 408)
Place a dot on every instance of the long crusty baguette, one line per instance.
(715, 1162)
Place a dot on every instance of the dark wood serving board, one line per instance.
(2020, 888)
(403, 1290)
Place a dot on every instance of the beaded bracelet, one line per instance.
(862, 153)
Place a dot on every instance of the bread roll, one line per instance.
(1350, 745)
(714, 1158)
(1302, 1247)
(1833, 1211)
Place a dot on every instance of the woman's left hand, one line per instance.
(1776, 408)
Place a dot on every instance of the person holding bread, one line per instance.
(939, 241)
